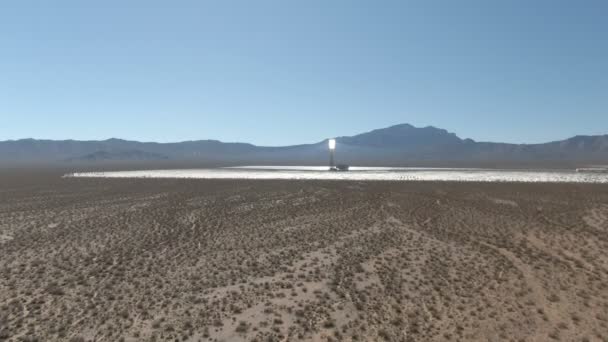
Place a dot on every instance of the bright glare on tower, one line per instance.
(332, 144)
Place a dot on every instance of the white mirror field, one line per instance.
(363, 173)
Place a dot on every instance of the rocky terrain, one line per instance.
(213, 260)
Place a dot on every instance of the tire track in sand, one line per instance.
(537, 290)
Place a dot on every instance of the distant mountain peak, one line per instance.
(402, 135)
(403, 125)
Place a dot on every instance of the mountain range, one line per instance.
(401, 144)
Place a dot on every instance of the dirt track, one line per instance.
(95, 259)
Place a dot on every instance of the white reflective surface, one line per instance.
(362, 173)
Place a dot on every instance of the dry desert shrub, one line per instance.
(245, 260)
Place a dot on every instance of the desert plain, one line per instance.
(283, 260)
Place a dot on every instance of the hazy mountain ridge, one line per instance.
(402, 136)
(120, 155)
(393, 145)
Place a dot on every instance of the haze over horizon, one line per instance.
(278, 73)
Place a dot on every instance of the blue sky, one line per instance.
(287, 72)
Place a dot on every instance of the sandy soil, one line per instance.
(190, 260)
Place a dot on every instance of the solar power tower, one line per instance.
(332, 149)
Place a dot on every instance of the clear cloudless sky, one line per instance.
(287, 72)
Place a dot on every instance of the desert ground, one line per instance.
(251, 260)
